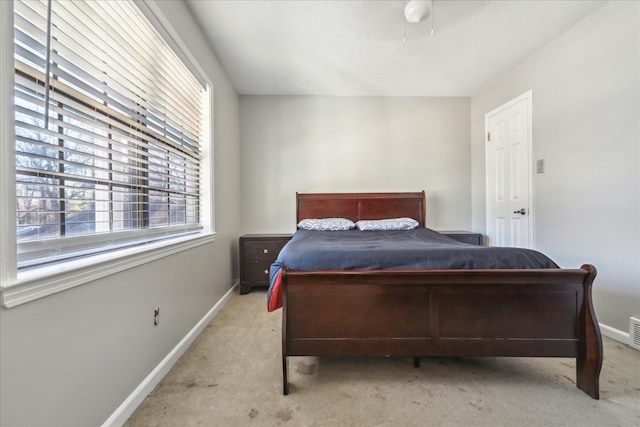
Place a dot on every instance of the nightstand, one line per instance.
(257, 253)
(465, 237)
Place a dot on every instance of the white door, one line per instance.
(508, 174)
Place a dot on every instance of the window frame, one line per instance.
(19, 287)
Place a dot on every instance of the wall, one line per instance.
(586, 114)
(74, 357)
(295, 144)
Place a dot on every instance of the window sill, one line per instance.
(41, 282)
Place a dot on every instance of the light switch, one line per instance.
(540, 166)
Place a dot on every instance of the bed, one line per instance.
(459, 312)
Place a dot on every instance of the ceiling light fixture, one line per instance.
(417, 10)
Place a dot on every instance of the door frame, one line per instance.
(528, 97)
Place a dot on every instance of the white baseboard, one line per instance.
(614, 334)
(124, 411)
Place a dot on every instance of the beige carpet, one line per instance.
(231, 376)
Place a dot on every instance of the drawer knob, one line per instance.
(266, 272)
(266, 251)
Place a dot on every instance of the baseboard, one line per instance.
(124, 411)
(614, 334)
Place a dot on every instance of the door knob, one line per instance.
(521, 211)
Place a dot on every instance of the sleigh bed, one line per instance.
(539, 312)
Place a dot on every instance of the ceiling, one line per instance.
(367, 48)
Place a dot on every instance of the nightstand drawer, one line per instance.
(257, 271)
(262, 250)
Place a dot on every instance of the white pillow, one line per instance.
(326, 224)
(387, 224)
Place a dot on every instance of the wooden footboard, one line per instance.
(541, 313)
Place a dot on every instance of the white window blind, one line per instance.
(109, 126)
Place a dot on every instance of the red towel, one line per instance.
(275, 299)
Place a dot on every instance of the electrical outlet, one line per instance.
(156, 316)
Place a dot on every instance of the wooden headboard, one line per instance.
(356, 206)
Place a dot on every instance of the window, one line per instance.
(110, 130)
(109, 124)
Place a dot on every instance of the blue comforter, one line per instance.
(418, 249)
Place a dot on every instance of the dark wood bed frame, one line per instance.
(446, 313)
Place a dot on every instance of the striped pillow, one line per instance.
(326, 224)
(387, 224)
